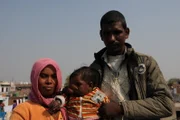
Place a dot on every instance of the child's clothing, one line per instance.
(86, 107)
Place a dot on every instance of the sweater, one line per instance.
(86, 106)
(33, 111)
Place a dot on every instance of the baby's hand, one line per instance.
(67, 91)
(54, 106)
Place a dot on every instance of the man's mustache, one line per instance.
(113, 44)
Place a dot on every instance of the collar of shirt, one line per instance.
(114, 61)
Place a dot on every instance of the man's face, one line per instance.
(114, 36)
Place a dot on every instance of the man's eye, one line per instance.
(114, 32)
(106, 33)
(117, 32)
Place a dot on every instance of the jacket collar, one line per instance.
(99, 54)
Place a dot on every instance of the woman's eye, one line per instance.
(42, 75)
(54, 76)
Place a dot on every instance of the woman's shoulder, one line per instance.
(27, 103)
(27, 109)
(27, 106)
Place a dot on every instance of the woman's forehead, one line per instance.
(49, 67)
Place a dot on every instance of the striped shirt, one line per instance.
(86, 106)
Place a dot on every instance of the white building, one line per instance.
(4, 87)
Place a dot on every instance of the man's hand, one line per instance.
(111, 109)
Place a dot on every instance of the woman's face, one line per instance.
(47, 81)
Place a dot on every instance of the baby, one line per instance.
(82, 98)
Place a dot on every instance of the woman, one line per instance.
(46, 81)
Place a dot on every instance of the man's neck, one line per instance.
(116, 53)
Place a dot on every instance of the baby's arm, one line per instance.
(99, 97)
(106, 99)
(56, 104)
(60, 99)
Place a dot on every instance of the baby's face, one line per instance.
(79, 86)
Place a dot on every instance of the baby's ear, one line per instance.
(91, 84)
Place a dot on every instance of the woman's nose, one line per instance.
(49, 80)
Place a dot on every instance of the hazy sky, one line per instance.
(68, 32)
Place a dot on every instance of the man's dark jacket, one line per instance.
(150, 97)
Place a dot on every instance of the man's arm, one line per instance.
(158, 102)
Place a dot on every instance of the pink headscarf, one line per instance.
(38, 66)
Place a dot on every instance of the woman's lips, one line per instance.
(48, 88)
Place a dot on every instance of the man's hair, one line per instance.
(113, 16)
(87, 74)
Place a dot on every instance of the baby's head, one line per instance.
(83, 80)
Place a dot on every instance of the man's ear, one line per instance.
(127, 32)
(101, 34)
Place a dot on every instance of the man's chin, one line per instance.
(114, 52)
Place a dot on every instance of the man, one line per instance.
(1, 106)
(132, 81)
(14, 104)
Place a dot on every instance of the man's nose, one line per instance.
(111, 37)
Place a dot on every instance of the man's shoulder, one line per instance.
(145, 58)
(143, 54)
(131, 50)
(95, 64)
